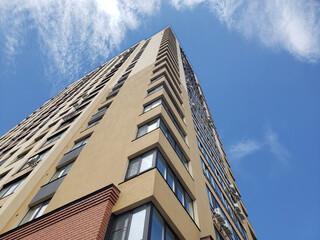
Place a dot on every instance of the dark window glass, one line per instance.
(170, 179)
(179, 192)
(157, 227)
(161, 165)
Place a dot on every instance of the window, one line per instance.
(152, 105)
(65, 123)
(174, 184)
(62, 171)
(148, 127)
(134, 224)
(10, 187)
(155, 89)
(141, 164)
(91, 124)
(53, 138)
(174, 144)
(153, 159)
(159, 123)
(38, 157)
(157, 78)
(21, 156)
(80, 143)
(35, 212)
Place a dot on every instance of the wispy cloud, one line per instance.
(71, 32)
(293, 25)
(269, 142)
(275, 147)
(243, 148)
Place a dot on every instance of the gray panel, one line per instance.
(46, 191)
(69, 156)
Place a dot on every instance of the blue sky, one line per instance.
(257, 61)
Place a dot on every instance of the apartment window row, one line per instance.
(158, 77)
(162, 102)
(175, 185)
(215, 205)
(171, 73)
(35, 212)
(62, 171)
(215, 152)
(96, 118)
(158, 123)
(80, 143)
(67, 122)
(156, 89)
(116, 88)
(141, 51)
(216, 173)
(152, 159)
(144, 222)
(9, 188)
(162, 86)
(224, 201)
(208, 159)
(54, 137)
(35, 159)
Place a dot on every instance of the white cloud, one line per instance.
(269, 142)
(275, 147)
(293, 25)
(243, 148)
(69, 31)
(72, 32)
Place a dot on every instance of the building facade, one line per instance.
(129, 151)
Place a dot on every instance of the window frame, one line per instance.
(15, 184)
(38, 209)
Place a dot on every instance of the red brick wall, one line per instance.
(86, 218)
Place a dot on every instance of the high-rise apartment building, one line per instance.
(129, 151)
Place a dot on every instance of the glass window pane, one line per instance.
(164, 129)
(142, 130)
(147, 108)
(57, 174)
(171, 140)
(30, 215)
(156, 103)
(189, 205)
(137, 224)
(67, 169)
(43, 207)
(11, 189)
(120, 227)
(161, 165)
(133, 167)
(78, 144)
(157, 227)
(3, 190)
(169, 234)
(153, 125)
(170, 179)
(179, 192)
(146, 162)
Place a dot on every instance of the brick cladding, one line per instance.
(86, 218)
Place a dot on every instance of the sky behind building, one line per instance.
(257, 62)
